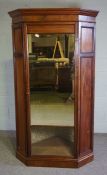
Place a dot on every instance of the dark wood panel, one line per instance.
(86, 18)
(19, 88)
(20, 106)
(53, 161)
(87, 38)
(86, 104)
(48, 18)
(51, 28)
(18, 41)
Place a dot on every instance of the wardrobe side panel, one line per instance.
(86, 104)
(87, 57)
(19, 89)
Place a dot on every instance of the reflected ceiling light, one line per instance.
(37, 35)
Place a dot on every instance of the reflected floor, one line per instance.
(53, 146)
(51, 108)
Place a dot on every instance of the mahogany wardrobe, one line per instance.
(54, 67)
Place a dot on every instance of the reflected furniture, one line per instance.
(42, 75)
(80, 23)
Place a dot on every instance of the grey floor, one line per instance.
(9, 165)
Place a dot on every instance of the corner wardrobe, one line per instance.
(54, 62)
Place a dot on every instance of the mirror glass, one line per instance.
(51, 72)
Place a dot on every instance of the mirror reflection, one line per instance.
(51, 69)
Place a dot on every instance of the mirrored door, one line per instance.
(51, 72)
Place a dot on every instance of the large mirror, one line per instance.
(51, 70)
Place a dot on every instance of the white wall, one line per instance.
(7, 107)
